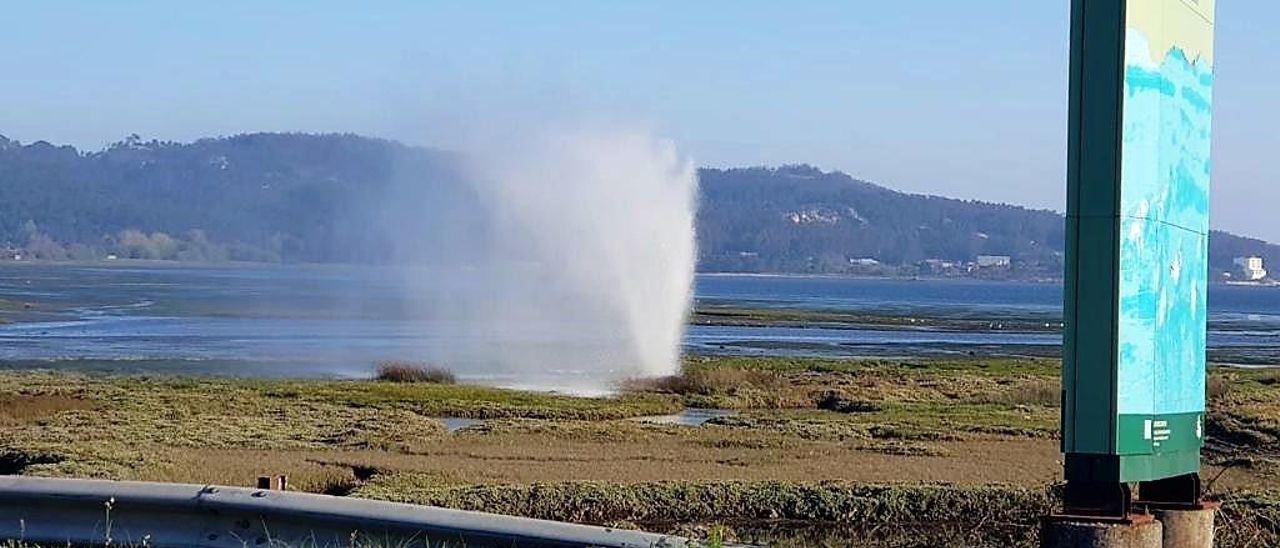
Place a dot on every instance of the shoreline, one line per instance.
(157, 263)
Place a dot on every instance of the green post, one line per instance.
(1137, 242)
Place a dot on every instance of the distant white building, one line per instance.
(863, 261)
(1251, 267)
(817, 215)
(993, 261)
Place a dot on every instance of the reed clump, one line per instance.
(409, 372)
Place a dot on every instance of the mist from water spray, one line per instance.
(571, 252)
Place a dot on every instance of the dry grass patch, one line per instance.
(18, 409)
(1217, 386)
(1038, 391)
(726, 388)
(398, 371)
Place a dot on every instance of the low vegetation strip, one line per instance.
(1249, 519)
(727, 502)
(718, 314)
(995, 515)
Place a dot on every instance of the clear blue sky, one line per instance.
(965, 99)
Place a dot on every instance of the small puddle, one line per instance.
(454, 424)
(688, 417)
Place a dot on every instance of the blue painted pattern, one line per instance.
(1164, 233)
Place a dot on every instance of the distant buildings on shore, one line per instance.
(994, 261)
(1249, 269)
(984, 266)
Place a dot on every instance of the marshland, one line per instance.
(815, 450)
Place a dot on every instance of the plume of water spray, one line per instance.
(584, 264)
(610, 216)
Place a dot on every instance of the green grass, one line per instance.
(127, 421)
(664, 506)
(425, 399)
(700, 502)
(994, 516)
(998, 367)
(1008, 395)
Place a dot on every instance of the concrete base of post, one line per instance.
(1065, 533)
(1188, 528)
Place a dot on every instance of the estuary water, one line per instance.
(339, 321)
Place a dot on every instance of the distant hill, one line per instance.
(801, 219)
(316, 198)
(798, 218)
(260, 197)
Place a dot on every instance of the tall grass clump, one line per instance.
(1044, 392)
(723, 387)
(1217, 387)
(408, 372)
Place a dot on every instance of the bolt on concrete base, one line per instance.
(1058, 533)
(1188, 528)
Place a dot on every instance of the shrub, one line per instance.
(1044, 392)
(1217, 387)
(709, 382)
(397, 371)
(726, 388)
(838, 401)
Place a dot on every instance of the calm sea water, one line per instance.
(1244, 321)
(338, 321)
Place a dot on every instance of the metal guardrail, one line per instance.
(89, 512)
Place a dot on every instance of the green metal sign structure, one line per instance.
(1137, 239)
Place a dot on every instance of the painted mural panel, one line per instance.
(1164, 224)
